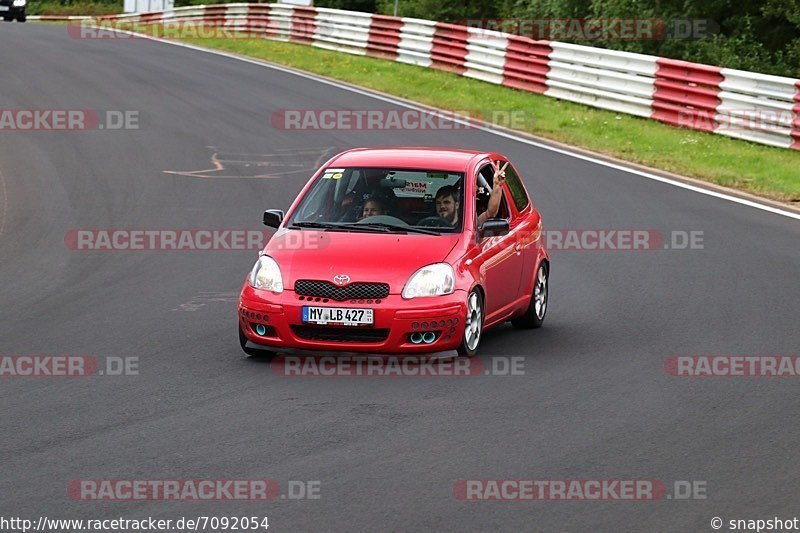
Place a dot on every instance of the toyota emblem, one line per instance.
(341, 279)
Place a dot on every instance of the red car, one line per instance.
(398, 250)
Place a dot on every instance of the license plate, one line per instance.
(4, 8)
(337, 315)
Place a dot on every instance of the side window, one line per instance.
(483, 190)
(517, 190)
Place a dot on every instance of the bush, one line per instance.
(367, 6)
(748, 35)
(762, 36)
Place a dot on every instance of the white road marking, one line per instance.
(445, 115)
(222, 161)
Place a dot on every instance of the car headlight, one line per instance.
(266, 275)
(19, 3)
(431, 280)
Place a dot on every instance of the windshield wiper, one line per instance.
(369, 226)
(338, 226)
(318, 225)
(397, 227)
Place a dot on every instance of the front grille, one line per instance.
(353, 334)
(326, 289)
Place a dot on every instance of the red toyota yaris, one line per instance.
(401, 250)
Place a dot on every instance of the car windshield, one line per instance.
(383, 199)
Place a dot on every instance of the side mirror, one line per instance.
(494, 227)
(273, 217)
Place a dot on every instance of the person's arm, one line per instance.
(496, 196)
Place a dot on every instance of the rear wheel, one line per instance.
(21, 18)
(473, 326)
(8, 18)
(534, 316)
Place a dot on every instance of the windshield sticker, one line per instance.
(333, 173)
(416, 187)
(438, 175)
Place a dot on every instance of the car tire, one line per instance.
(252, 352)
(8, 18)
(22, 18)
(537, 309)
(473, 324)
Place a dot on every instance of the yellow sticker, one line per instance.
(336, 176)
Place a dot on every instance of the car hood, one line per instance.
(377, 257)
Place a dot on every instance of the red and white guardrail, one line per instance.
(746, 105)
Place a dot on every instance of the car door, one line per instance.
(501, 262)
(526, 223)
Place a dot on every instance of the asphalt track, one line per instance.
(594, 402)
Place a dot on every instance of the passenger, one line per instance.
(368, 187)
(373, 207)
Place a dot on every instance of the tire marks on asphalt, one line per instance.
(3, 202)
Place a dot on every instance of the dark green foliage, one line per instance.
(350, 5)
(757, 35)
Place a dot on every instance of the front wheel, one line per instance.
(473, 326)
(252, 352)
(534, 315)
(21, 18)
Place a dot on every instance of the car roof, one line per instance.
(448, 159)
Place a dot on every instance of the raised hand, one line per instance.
(499, 174)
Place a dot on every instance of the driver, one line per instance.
(447, 199)
(497, 193)
(447, 204)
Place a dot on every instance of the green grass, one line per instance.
(55, 7)
(767, 171)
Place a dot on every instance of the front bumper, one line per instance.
(279, 318)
